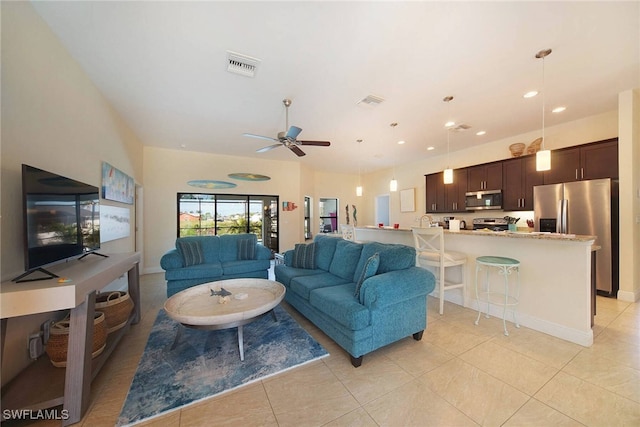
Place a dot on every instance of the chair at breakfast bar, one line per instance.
(430, 253)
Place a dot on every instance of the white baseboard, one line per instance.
(583, 338)
(152, 270)
(629, 296)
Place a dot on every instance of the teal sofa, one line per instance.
(201, 259)
(334, 283)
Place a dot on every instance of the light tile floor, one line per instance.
(459, 374)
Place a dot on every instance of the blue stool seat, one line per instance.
(505, 267)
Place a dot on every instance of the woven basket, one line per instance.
(517, 149)
(59, 340)
(116, 307)
(534, 147)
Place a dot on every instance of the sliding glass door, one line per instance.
(215, 214)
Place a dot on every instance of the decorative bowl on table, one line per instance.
(517, 149)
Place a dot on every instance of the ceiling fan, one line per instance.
(288, 138)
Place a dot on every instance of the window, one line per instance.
(328, 215)
(214, 214)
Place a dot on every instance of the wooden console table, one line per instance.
(41, 385)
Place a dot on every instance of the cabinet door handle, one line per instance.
(581, 173)
(523, 203)
(576, 174)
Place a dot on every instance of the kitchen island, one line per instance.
(555, 275)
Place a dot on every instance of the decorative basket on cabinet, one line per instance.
(59, 340)
(117, 307)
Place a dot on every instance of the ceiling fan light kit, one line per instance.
(289, 138)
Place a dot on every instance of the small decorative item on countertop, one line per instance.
(517, 149)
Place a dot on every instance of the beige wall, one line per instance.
(53, 118)
(166, 173)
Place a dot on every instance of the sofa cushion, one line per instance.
(229, 245)
(245, 266)
(200, 271)
(345, 259)
(303, 285)
(191, 252)
(246, 249)
(284, 274)
(325, 248)
(304, 256)
(392, 257)
(339, 303)
(210, 247)
(370, 269)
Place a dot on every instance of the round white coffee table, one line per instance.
(250, 299)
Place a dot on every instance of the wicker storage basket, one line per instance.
(517, 149)
(116, 307)
(534, 147)
(59, 340)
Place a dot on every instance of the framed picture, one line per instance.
(408, 200)
(116, 185)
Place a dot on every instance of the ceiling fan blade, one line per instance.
(296, 150)
(293, 132)
(267, 148)
(259, 136)
(316, 143)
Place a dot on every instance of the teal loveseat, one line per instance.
(362, 295)
(201, 259)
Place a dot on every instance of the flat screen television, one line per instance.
(61, 219)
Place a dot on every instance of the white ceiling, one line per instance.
(163, 67)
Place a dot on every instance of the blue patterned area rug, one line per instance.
(207, 363)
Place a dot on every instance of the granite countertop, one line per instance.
(504, 234)
(524, 235)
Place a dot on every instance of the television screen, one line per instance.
(61, 217)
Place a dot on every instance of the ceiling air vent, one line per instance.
(461, 127)
(244, 65)
(371, 100)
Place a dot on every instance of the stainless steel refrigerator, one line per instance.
(587, 208)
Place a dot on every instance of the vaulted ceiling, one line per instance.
(163, 66)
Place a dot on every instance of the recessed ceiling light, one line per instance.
(401, 142)
(530, 94)
(183, 145)
(431, 148)
(558, 109)
(480, 133)
(449, 124)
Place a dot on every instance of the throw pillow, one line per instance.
(304, 256)
(370, 269)
(246, 249)
(191, 252)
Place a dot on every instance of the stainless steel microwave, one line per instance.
(484, 200)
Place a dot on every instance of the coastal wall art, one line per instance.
(117, 185)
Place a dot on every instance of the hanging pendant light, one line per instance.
(543, 157)
(393, 184)
(359, 187)
(448, 172)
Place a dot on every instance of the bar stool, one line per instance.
(505, 267)
(430, 252)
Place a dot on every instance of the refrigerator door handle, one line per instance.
(561, 224)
